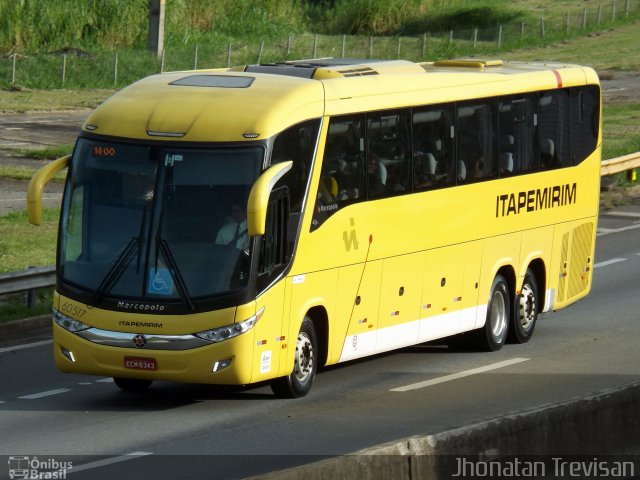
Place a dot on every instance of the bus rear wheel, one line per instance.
(494, 333)
(299, 381)
(525, 311)
(132, 384)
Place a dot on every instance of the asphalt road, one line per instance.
(190, 431)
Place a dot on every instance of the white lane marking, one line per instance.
(622, 214)
(607, 231)
(48, 393)
(85, 383)
(107, 461)
(609, 262)
(2, 401)
(105, 380)
(26, 345)
(456, 376)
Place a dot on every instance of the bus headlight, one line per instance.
(68, 323)
(229, 331)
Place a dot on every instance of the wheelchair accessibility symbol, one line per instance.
(160, 282)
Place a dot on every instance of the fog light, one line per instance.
(220, 365)
(68, 354)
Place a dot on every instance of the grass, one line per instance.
(23, 245)
(21, 101)
(101, 53)
(621, 129)
(612, 49)
(25, 173)
(47, 153)
(14, 307)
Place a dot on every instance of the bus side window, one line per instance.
(433, 165)
(554, 129)
(476, 137)
(297, 144)
(342, 174)
(518, 142)
(389, 153)
(585, 113)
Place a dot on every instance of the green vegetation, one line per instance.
(47, 153)
(38, 100)
(621, 129)
(102, 44)
(25, 173)
(14, 307)
(23, 245)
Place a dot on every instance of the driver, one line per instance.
(234, 232)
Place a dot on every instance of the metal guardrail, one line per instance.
(45, 277)
(29, 281)
(626, 163)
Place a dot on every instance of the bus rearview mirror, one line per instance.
(36, 186)
(259, 197)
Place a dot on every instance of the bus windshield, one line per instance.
(157, 223)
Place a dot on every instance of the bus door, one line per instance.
(270, 330)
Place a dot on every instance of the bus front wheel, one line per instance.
(298, 382)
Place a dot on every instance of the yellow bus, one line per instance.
(243, 225)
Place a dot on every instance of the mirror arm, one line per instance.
(259, 197)
(36, 186)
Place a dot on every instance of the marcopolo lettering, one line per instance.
(534, 200)
(141, 306)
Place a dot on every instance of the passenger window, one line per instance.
(518, 136)
(433, 164)
(342, 175)
(585, 113)
(389, 153)
(475, 134)
(298, 144)
(555, 129)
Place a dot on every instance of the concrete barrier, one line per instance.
(591, 426)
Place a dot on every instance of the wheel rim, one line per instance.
(527, 307)
(498, 315)
(304, 358)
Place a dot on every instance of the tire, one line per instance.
(132, 384)
(525, 310)
(493, 335)
(298, 382)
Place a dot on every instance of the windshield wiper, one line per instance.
(170, 261)
(122, 262)
(117, 269)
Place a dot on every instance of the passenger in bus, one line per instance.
(425, 165)
(328, 189)
(377, 176)
(234, 232)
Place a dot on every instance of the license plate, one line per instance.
(140, 363)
